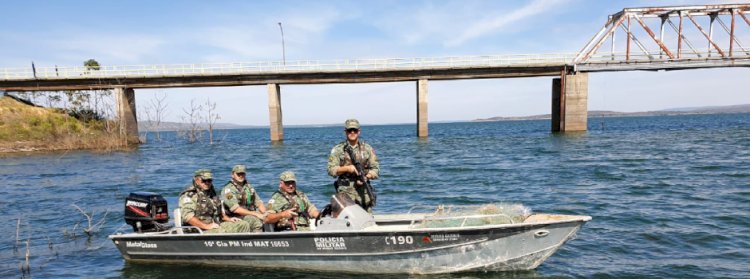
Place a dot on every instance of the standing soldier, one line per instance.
(342, 165)
(201, 207)
(240, 199)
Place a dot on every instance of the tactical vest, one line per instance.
(243, 196)
(207, 206)
(296, 202)
(344, 160)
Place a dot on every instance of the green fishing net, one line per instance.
(479, 215)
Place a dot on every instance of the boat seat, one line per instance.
(178, 220)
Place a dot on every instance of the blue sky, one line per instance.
(66, 33)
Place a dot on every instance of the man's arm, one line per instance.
(195, 222)
(333, 167)
(230, 198)
(274, 217)
(274, 210)
(244, 212)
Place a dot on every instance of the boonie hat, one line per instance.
(238, 169)
(351, 124)
(288, 176)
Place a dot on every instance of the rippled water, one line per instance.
(669, 196)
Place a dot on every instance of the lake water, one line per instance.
(669, 196)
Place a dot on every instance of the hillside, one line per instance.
(25, 127)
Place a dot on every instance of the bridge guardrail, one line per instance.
(79, 72)
(349, 65)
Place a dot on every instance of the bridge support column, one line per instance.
(422, 108)
(125, 98)
(274, 112)
(570, 103)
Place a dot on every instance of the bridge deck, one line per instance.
(341, 71)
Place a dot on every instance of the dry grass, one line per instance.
(28, 128)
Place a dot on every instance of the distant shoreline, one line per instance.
(592, 114)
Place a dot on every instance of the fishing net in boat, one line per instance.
(478, 215)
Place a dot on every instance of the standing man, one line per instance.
(289, 208)
(340, 165)
(201, 207)
(240, 200)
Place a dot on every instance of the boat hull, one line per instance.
(415, 251)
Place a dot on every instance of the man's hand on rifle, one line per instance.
(290, 213)
(352, 169)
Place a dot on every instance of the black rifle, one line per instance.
(361, 171)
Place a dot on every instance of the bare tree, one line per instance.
(145, 122)
(192, 117)
(155, 111)
(211, 118)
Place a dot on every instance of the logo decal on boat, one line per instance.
(426, 239)
(445, 237)
(330, 243)
(140, 244)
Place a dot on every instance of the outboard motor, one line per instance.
(146, 212)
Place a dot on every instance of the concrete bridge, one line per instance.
(642, 49)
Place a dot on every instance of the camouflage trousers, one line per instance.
(358, 195)
(231, 227)
(255, 223)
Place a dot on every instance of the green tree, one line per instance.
(91, 64)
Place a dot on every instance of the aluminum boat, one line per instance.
(354, 241)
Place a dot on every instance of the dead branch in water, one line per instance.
(26, 267)
(92, 227)
(18, 227)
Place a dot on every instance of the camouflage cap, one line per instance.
(351, 124)
(288, 176)
(207, 175)
(199, 172)
(239, 169)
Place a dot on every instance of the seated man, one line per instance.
(289, 208)
(240, 200)
(202, 208)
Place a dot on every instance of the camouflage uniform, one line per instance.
(206, 206)
(234, 196)
(346, 183)
(281, 201)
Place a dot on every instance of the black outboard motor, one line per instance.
(146, 212)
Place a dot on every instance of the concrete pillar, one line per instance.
(570, 103)
(422, 108)
(126, 113)
(274, 112)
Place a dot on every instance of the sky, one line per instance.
(66, 33)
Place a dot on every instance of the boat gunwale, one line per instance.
(568, 219)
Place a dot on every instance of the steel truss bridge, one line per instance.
(653, 38)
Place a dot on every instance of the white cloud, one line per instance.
(498, 21)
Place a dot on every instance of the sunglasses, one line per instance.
(208, 180)
(290, 183)
(352, 130)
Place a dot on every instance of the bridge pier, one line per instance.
(274, 112)
(126, 114)
(422, 130)
(570, 95)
